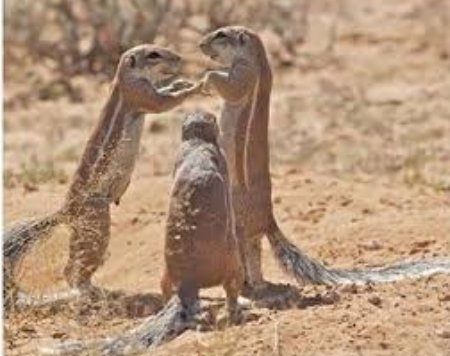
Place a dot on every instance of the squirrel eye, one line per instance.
(220, 34)
(153, 55)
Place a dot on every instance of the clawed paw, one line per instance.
(205, 85)
(181, 84)
(228, 318)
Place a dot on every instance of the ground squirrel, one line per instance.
(106, 165)
(245, 85)
(201, 249)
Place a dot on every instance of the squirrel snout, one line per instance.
(176, 58)
(202, 45)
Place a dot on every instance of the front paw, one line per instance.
(206, 87)
(197, 88)
(181, 84)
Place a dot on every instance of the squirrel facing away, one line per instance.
(200, 250)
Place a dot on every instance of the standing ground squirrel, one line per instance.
(201, 249)
(106, 166)
(246, 86)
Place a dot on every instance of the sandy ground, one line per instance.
(360, 156)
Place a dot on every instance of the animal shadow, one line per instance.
(108, 303)
(285, 296)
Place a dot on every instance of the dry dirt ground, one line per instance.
(361, 177)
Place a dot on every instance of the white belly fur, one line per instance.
(227, 139)
(123, 161)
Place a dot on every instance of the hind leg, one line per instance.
(88, 243)
(167, 287)
(253, 264)
(256, 288)
(232, 290)
(188, 293)
(233, 286)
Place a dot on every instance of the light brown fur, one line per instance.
(245, 87)
(107, 163)
(200, 247)
(200, 251)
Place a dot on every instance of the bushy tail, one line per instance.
(18, 240)
(306, 269)
(25, 300)
(155, 330)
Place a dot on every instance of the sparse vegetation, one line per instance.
(360, 152)
(34, 173)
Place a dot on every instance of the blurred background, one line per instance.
(360, 86)
(360, 158)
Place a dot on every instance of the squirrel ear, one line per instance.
(131, 61)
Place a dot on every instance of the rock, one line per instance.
(349, 288)
(346, 201)
(384, 345)
(58, 334)
(331, 297)
(372, 245)
(28, 329)
(423, 244)
(277, 200)
(367, 211)
(444, 333)
(375, 300)
(30, 187)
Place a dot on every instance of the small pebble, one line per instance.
(444, 333)
(330, 297)
(58, 334)
(372, 245)
(349, 288)
(375, 300)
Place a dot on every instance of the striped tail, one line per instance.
(18, 240)
(305, 269)
(172, 320)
